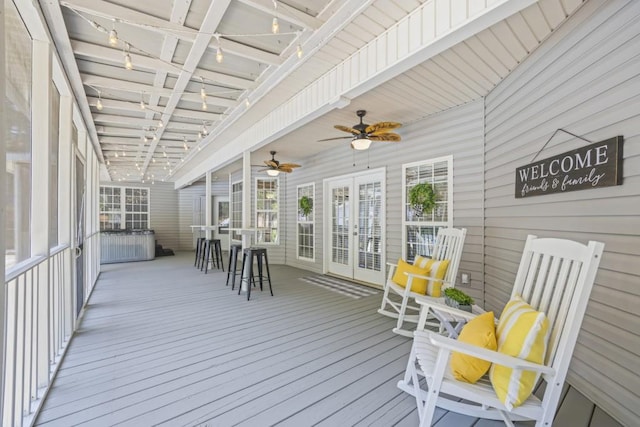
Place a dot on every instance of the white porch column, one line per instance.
(246, 198)
(207, 203)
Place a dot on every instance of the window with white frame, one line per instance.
(306, 219)
(124, 208)
(236, 209)
(267, 210)
(419, 228)
(18, 70)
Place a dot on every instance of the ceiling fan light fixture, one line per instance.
(273, 172)
(361, 142)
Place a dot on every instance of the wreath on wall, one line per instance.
(305, 204)
(422, 198)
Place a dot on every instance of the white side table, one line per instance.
(445, 314)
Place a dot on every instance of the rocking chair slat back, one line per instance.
(549, 284)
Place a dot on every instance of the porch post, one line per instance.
(246, 198)
(207, 204)
(3, 205)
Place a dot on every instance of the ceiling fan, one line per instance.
(274, 167)
(362, 134)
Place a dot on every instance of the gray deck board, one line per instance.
(164, 344)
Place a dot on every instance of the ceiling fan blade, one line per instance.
(381, 127)
(347, 129)
(333, 139)
(389, 137)
(287, 170)
(289, 165)
(271, 163)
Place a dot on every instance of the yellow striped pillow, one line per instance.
(522, 332)
(417, 285)
(436, 269)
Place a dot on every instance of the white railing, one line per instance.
(39, 323)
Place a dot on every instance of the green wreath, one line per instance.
(422, 198)
(305, 204)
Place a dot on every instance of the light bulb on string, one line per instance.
(145, 139)
(275, 26)
(153, 160)
(116, 154)
(247, 103)
(99, 105)
(155, 137)
(203, 92)
(127, 58)
(219, 55)
(299, 51)
(204, 104)
(113, 36)
(124, 154)
(160, 123)
(184, 144)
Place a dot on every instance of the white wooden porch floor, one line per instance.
(163, 344)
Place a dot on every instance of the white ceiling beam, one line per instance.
(140, 122)
(134, 106)
(151, 23)
(90, 50)
(212, 18)
(286, 13)
(106, 83)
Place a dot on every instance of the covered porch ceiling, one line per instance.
(210, 70)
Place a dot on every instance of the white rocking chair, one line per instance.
(555, 276)
(395, 300)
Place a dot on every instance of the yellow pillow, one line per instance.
(522, 332)
(437, 270)
(480, 331)
(417, 285)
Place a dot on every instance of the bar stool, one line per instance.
(233, 263)
(199, 247)
(247, 256)
(216, 257)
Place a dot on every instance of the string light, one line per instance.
(108, 162)
(247, 103)
(153, 159)
(275, 27)
(184, 144)
(204, 104)
(142, 106)
(124, 154)
(203, 92)
(219, 55)
(127, 58)
(155, 137)
(160, 123)
(145, 139)
(113, 36)
(299, 51)
(99, 105)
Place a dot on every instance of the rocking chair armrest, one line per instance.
(438, 304)
(483, 353)
(392, 264)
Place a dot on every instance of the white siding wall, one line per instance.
(586, 79)
(185, 204)
(163, 210)
(457, 131)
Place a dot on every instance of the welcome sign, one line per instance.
(595, 165)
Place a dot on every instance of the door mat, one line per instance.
(344, 287)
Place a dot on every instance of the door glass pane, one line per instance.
(340, 225)
(369, 228)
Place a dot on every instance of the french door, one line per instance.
(355, 225)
